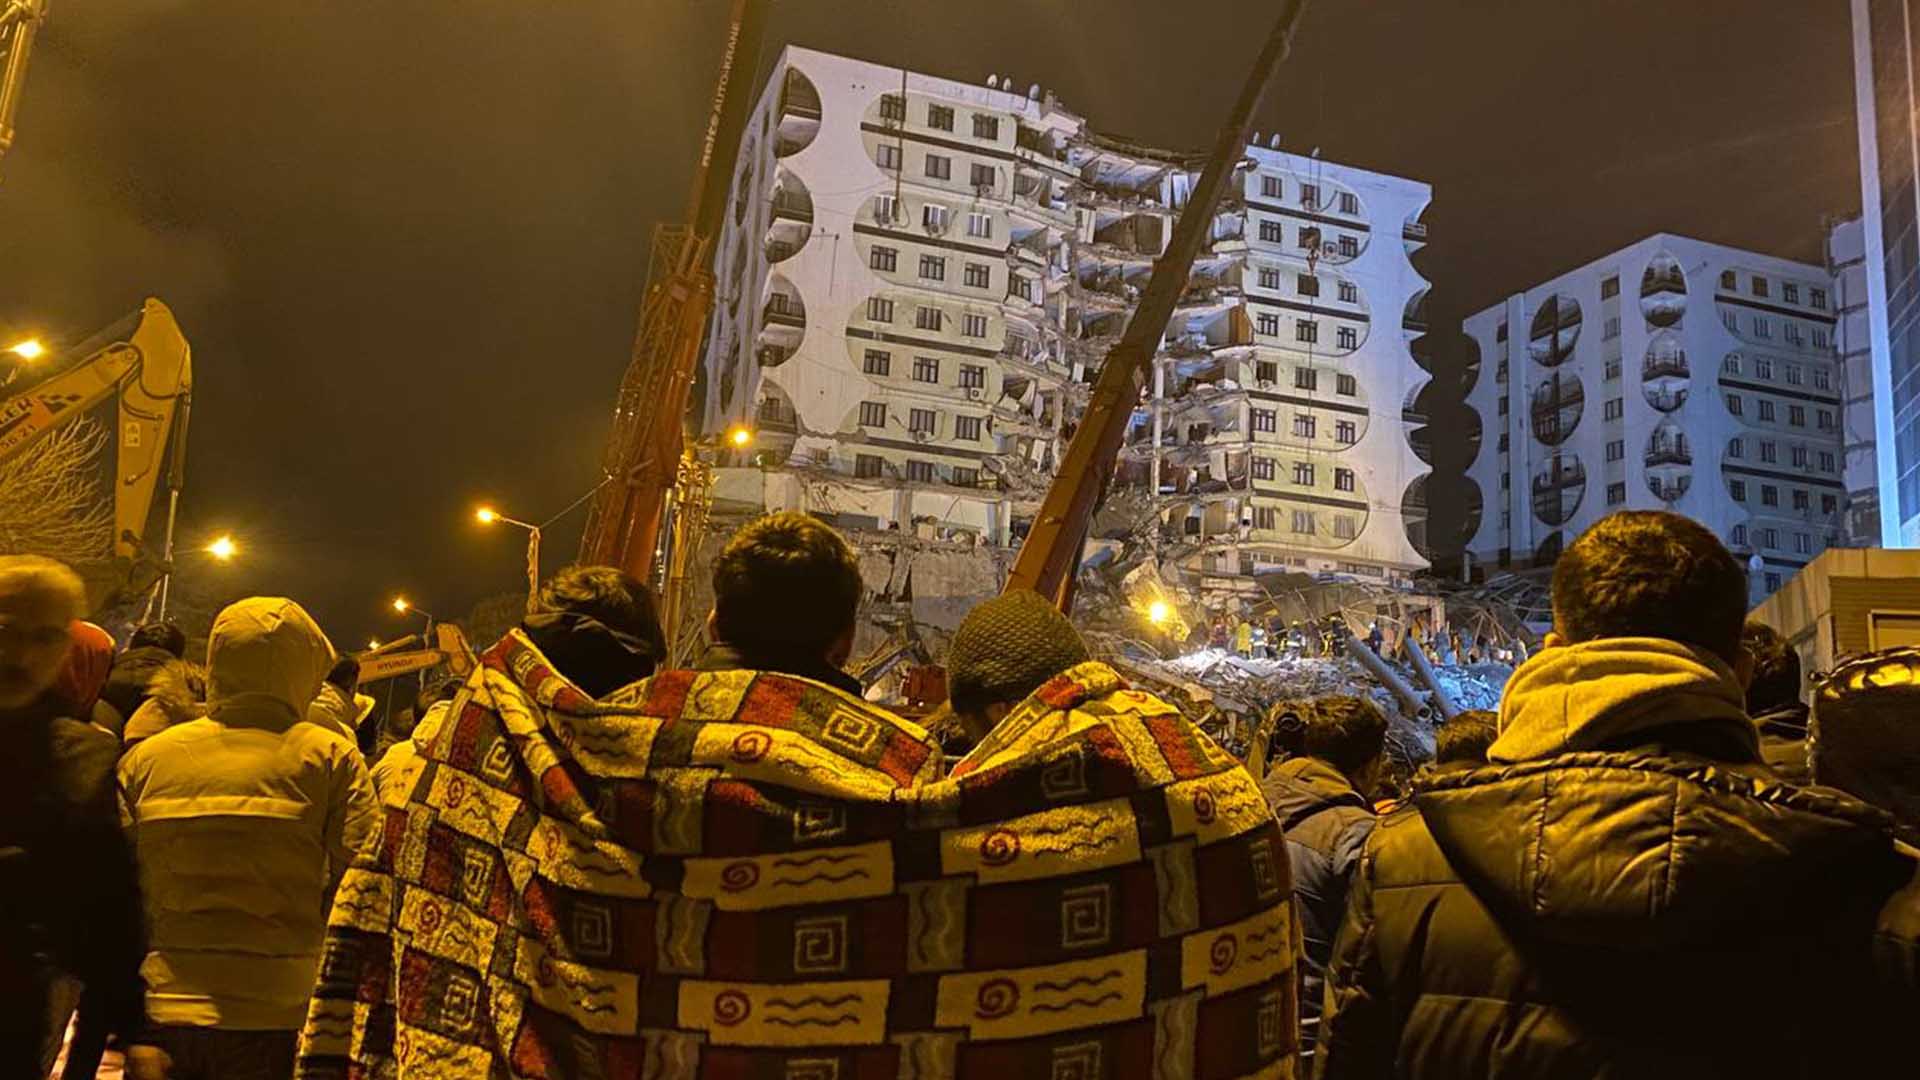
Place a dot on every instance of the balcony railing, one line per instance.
(788, 205)
(1560, 479)
(773, 355)
(772, 417)
(784, 312)
(1667, 400)
(780, 250)
(1665, 453)
(1414, 230)
(1669, 490)
(1664, 365)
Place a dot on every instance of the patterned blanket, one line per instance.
(733, 874)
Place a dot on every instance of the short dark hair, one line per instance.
(1345, 731)
(1654, 574)
(786, 585)
(611, 596)
(1465, 739)
(1776, 668)
(165, 635)
(345, 674)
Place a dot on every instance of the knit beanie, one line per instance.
(1009, 647)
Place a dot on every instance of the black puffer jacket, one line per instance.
(1599, 902)
(1783, 741)
(1326, 824)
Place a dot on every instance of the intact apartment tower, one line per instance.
(1853, 340)
(1673, 374)
(1885, 99)
(919, 279)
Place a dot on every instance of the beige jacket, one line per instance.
(243, 821)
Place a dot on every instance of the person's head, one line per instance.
(266, 651)
(89, 661)
(1776, 669)
(1463, 741)
(165, 635)
(1651, 574)
(39, 599)
(786, 589)
(434, 693)
(344, 675)
(1349, 733)
(1004, 650)
(600, 625)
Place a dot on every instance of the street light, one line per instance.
(739, 436)
(223, 548)
(30, 349)
(487, 515)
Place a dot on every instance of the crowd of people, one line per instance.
(579, 864)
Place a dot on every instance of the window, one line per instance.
(1790, 293)
(1797, 415)
(1769, 495)
(1346, 384)
(1825, 417)
(978, 276)
(884, 259)
(1503, 406)
(1759, 285)
(1304, 425)
(1303, 473)
(1799, 456)
(933, 217)
(1826, 461)
(1763, 369)
(1306, 379)
(1343, 479)
(1737, 448)
(940, 117)
(1306, 330)
(1820, 338)
(1272, 232)
(1612, 369)
(1766, 410)
(1617, 450)
(939, 167)
(1616, 494)
(1349, 247)
(1829, 504)
(1349, 293)
(1264, 420)
(1729, 320)
(1610, 287)
(885, 209)
(1267, 323)
(1800, 500)
(926, 318)
(986, 127)
(873, 414)
(1762, 328)
(1310, 195)
(1262, 468)
(888, 156)
(1770, 538)
(893, 107)
(1343, 527)
(1303, 521)
(1266, 371)
(921, 421)
(1615, 408)
(1731, 365)
(1272, 187)
(1802, 543)
(933, 267)
(967, 428)
(921, 472)
(1796, 375)
(973, 326)
(980, 225)
(1738, 489)
(1817, 298)
(1769, 453)
(966, 476)
(1020, 286)
(1264, 517)
(867, 466)
(1269, 278)
(973, 377)
(981, 176)
(878, 362)
(1613, 328)
(1345, 432)
(1794, 334)
(1347, 337)
(1309, 238)
(1349, 203)
(1739, 536)
(926, 369)
(1308, 285)
(1728, 280)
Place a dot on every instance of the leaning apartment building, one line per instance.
(919, 278)
(1672, 374)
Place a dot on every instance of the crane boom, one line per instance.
(1050, 556)
(19, 19)
(151, 372)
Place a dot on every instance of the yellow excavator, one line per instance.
(144, 362)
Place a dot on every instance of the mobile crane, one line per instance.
(144, 361)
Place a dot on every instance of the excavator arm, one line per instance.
(150, 370)
(19, 19)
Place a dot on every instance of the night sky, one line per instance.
(407, 240)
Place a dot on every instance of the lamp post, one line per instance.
(404, 606)
(221, 548)
(487, 515)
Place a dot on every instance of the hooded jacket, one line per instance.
(1626, 891)
(1326, 823)
(394, 774)
(130, 682)
(243, 820)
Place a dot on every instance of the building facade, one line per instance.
(1673, 374)
(1884, 36)
(1853, 341)
(919, 279)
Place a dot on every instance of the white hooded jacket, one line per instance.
(243, 821)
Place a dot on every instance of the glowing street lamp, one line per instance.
(487, 515)
(223, 548)
(739, 436)
(30, 349)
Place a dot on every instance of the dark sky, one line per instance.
(407, 239)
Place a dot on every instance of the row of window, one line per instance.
(1768, 537)
(1306, 331)
(974, 275)
(1304, 474)
(1273, 187)
(1759, 286)
(937, 166)
(1308, 238)
(1267, 518)
(1306, 285)
(873, 414)
(933, 216)
(926, 369)
(893, 108)
(1792, 331)
(1305, 378)
(1770, 496)
(1767, 412)
(1796, 374)
(1770, 454)
(874, 467)
(1305, 426)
